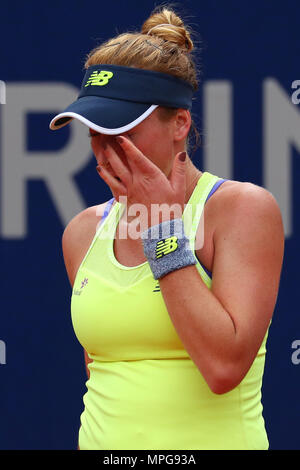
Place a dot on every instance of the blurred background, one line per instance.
(247, 110)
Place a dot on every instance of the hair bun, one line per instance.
(168, 26)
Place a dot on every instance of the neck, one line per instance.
(192, 178)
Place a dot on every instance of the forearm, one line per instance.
(205, 328)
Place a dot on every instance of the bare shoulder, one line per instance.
(244, 202)
(235, 206)
(78, 236)
(248, 222)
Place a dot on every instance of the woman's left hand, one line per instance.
(143, 183)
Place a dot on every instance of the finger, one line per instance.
(117, 165)
(136, 157)
(177, 177)
(106, 165)
(111, 181)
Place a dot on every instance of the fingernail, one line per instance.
(182, 156)
(119, 139)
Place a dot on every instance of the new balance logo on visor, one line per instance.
(99, 78)
(164, 247)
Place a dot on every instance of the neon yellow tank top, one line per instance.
(144, 391)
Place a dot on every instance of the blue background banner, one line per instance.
(248, 113)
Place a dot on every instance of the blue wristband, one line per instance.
(167, 248)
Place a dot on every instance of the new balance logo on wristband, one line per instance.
(166, 246)
(156, 247)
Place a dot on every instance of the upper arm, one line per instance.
(70, 243)
(76, 239)
(249, 246)
(66, 249)
(78, 236)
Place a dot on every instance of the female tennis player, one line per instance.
(174, 330)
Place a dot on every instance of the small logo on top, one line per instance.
(83, 284)
(157, 287)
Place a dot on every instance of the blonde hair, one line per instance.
(163, 45)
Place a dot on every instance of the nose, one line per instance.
(99, 143)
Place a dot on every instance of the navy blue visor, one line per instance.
(114, 99)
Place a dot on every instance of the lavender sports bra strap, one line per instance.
(214, 188)
(107, 209)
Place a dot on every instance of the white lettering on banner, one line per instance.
(2, 92)
(2, 352)
(295, 95)
(218, 123)
(281, 131)
(296, 354)
(56, 169)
